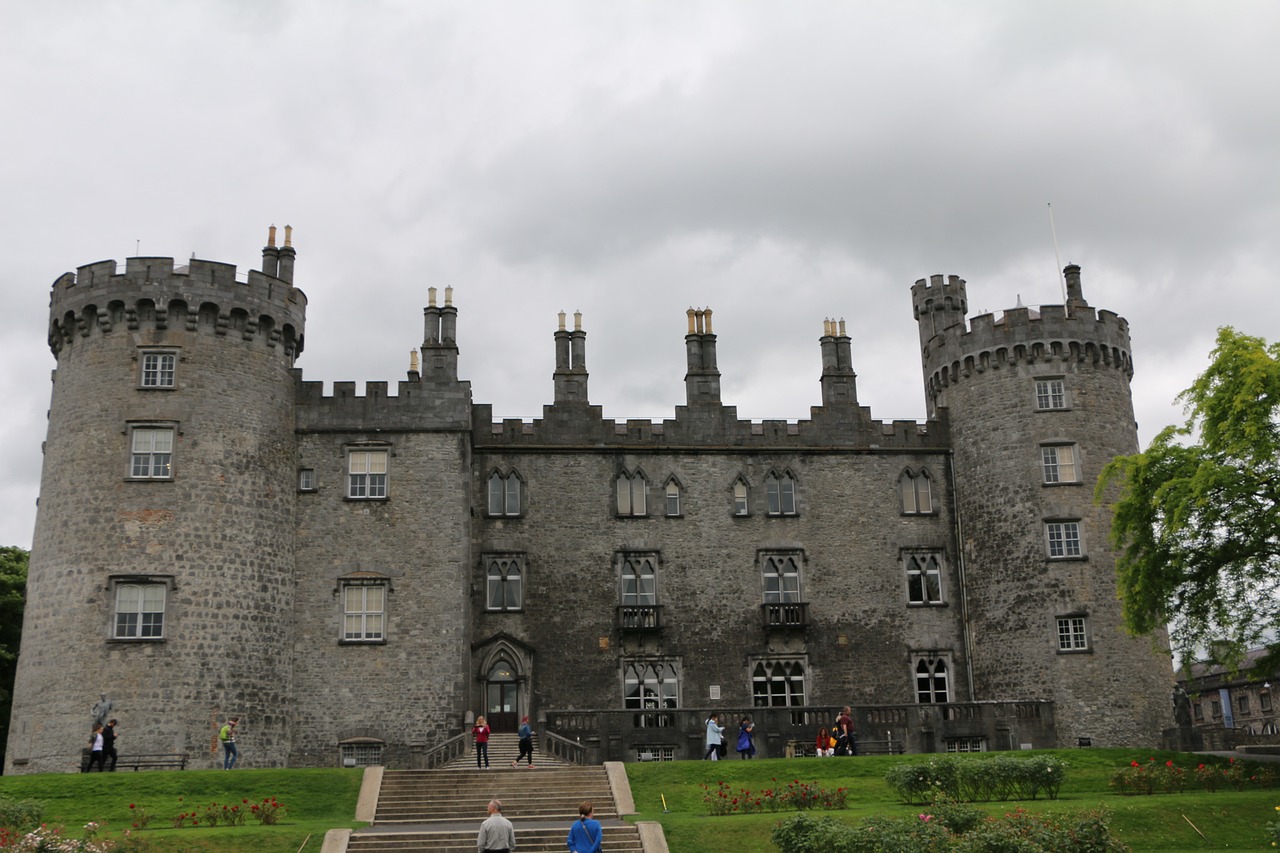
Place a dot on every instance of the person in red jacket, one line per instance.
(480, 731)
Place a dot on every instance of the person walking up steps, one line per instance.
(526, 743)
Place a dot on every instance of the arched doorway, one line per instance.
(502, 697)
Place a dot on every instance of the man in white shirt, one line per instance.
(496, 834)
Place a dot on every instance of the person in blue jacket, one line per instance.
(586, 835)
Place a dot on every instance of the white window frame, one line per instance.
(976, 743)
(639, 579)
(780, 494)
(364, 615)
(1059, 464)
(780, 575)
(779, 682)
(916, 492)
(151, 451)
(365, 753)
(1063, 540)
(741, 498)
(932, 679)
(504, 582)
(673, 499)
(1051, 394)
(922, 567)
(632, 491)
(1073, 633)
(365, 482)
(157, 369)
(129, 597)
(306, 479)
(503, 495)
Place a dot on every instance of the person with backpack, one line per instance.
(227, 736)
(586, 835)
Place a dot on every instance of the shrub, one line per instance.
(20, 814)
(978, 779)
(268, 811)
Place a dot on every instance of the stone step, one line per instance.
(438, 796)
(617, 839)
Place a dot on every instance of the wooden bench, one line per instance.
(139, 761)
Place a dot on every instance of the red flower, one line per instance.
(1133, 763)
(1169, 763)
(133, 805)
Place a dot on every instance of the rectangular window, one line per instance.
(740, 498)
(504, 581)
(367, 474)
(966, 744)
(631, 495)
(151, 457)
(651, 688)
(1063, 539)
(655, 753)
(1264, 701)
(364, 613)
(1215, 708)
(780, 494)
(139, 610)
(1242, 704)
(924, 578)
(1059, 463)
(917, 493)
(1072, 636)
(931, 681)
(1051, 394)
(504, 495)
(639, 582)
(306, 479)
(157, 369)
(1198, 709)
(362, 754)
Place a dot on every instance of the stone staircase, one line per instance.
(503, 749)
(441, 810)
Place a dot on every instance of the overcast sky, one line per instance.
(777, 162)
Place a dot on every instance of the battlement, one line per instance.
(152, 293)
(697, 428)
(415, 407)
(935, 294)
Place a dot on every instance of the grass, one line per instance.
(319, 800)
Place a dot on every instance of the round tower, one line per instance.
(1037, 402)
(161, 569)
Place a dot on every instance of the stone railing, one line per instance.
(441, 754)
(563, 748)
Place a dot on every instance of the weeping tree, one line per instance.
(1196, 516)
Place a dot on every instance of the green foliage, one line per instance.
(1196, 516)
(796, 795)
(973, 779)
(13, 588)
(1017, 832)
(20, 814)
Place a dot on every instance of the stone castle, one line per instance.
(355, 576)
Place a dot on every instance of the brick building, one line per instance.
(355, 575)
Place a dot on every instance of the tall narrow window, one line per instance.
(158, 369)
(777, 683)
(781, 578)
(931, 681)
(1063, 539)
(1051, 394)
(631, 494)
(504, 578)
(152, 453)
(673, 498)
(917, 493)
(364, 612)
(780, 494)
(504, 495)
(740, 497)
(924, 578)
(139, 611)
(639, 585)
(1059, 463)
(367, 474)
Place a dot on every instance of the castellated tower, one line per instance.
(1037, 403)
(161, 570)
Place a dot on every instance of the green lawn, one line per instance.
(319, 800)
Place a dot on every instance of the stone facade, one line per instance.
(356, 575)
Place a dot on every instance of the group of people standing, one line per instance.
(717, 747)
(842, 739)
(480, 735)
